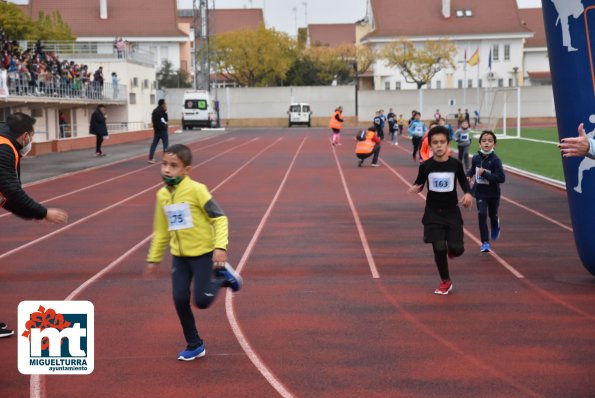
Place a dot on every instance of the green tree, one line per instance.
(419, 64)
(168, 78)
(14, 22)
(50, 27)
(258, 57)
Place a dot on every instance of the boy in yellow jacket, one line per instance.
(189, 218)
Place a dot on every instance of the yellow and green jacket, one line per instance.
(209, 230)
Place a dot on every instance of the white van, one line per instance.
(299, 113)
(198, 110)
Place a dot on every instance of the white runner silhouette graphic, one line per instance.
(566, 9)
(586, 163)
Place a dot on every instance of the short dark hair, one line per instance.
(438, 130)
(20, 123)
(490, 132)
(182, 152)
(161, 102)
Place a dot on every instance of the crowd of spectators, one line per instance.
(37, 72)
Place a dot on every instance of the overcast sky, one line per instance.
(284, 15)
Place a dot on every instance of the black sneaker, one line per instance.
(4, 331)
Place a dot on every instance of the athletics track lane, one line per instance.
(316, 317)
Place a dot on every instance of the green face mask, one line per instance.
(172, 180)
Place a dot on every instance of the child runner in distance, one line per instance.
(335, 124)
(487, 169)
(463, 139)
(189, 218)
(442, 220)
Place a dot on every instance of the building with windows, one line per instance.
(489, 32)
(536, 65)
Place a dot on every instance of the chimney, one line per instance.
(103, 9)
(446, 8)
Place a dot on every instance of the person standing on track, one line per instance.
(417, 129)
(336, 123)
(159, 119)
(463, 139)
(189, 218)
(442, 219)
(16, 139)
(487, 169)
(98, 127)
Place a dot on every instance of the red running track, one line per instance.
(338, 285)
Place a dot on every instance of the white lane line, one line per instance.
(566, 227)
(101, 166)
(103, 181)
(358, 223)
(538, 214)
(33, 242)
(229, 308)
(500, 260)
(37, 382)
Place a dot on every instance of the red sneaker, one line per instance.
(445, 287)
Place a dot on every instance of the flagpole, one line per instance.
(465, 79)
(477, 99)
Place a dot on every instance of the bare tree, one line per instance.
(419, 64)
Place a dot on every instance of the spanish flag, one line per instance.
(474, 60)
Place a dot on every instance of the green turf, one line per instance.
(537, 133)
(535, 157)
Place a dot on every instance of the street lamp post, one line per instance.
(356, 89)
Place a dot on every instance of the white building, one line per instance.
(492, 28)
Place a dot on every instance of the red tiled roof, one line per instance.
(331, 34)
(129, 18)
(532, 18)
(424, 18)
(229, 20)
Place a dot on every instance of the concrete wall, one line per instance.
(268, 106)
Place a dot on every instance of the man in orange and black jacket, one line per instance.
(16, 139)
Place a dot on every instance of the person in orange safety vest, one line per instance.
(368, 144)
(336, 123)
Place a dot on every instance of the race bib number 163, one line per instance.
(441, 182)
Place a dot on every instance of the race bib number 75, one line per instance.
(441, 182)
(178, 216)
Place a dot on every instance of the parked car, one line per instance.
(299, 113)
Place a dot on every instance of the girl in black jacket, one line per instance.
(488, 171)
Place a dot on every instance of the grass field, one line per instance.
(535, 157)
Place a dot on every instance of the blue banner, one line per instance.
(570, 32)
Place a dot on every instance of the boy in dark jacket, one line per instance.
(98, 127)
(159, 119)
(487, 169)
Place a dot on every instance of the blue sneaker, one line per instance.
(189, 354)
(485, 247)
(496, 231)
(231, 279)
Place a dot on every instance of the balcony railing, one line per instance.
(75, 51)
(21, 84)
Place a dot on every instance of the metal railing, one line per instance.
(25, 84)
(74, 50)
(82, 129)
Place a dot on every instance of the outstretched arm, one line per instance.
(578, 146)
